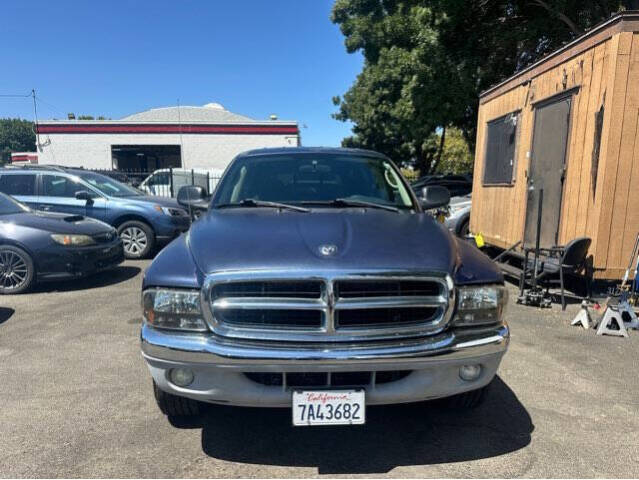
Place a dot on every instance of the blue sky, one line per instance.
(114, 58)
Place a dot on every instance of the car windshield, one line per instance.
(10, 205)
(335, 180)
(109, 186)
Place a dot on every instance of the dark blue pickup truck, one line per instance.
(317, 281)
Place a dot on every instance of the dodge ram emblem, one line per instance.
(328, 250)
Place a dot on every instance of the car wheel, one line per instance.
(464, 229)
(472, 399)
(138, 239)
(17, 272)
(174, 406)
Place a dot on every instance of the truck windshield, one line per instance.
(108, 186)
(336, 181)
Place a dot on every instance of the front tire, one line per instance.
(174, 406)
(138, 239)
(17, 271)
(467, 400)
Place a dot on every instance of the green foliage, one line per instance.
(456, 156)
(426, 62)
(16, 135)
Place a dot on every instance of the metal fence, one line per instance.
(165, 182)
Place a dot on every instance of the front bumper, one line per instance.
(168, 227)
(219, 365)
(59, 262)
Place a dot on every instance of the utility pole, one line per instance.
(35, 117)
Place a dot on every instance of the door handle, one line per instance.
(46, 208)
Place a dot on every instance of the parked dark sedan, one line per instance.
(51, 246)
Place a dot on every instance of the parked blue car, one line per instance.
(38, 246)
(142, 221)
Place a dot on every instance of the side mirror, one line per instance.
(83, 195)
(190, 194)
(435, 197)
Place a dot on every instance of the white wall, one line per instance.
(198, 151)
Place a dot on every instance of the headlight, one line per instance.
(172, 212)
(480, 305)
(173, 309)
(73, 240)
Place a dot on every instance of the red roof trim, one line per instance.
(185, 129)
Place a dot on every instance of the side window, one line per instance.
(499, 161)
(22, 184)
(161, 178)
(59, 186)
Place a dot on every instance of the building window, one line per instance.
(499, 162)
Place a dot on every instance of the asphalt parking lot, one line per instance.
(76, 401)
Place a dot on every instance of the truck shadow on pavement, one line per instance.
(5, 314)
(96, 280)
(398, 435)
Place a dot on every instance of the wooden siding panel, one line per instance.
(615, 104)
(622, 231)
(585, 198)
(605, 92)
(573, 164)
(570, 215)
(514, 200)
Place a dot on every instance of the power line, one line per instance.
(50, 105)
(15, 96)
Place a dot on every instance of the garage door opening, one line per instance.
(145, 158)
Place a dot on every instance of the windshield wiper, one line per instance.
(345, 202)
(250, 202)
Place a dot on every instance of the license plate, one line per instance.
(329, 407)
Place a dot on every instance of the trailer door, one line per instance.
(546, 170)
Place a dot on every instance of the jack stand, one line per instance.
(583, 317)
(624, 306)
(612, 317)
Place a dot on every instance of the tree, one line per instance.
(456, 156)
(404, 74)
(16, 135)
(426, 62)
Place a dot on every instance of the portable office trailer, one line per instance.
(568, 124)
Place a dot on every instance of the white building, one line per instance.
(205, 137)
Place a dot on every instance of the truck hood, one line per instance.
(256, 239)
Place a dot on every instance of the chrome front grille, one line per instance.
(285, 306)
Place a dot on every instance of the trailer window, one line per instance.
(501, 145)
